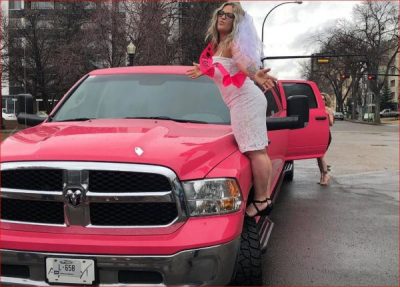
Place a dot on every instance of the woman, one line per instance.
(237, 49)
(323, 167)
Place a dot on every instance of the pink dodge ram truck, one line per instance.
(135, 178)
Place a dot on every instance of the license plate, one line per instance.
(73, 271)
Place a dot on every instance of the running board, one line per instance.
(288, 166)
(265, 226)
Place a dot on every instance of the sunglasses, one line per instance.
(221, 13)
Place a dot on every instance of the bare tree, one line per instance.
(169, 32)
(377, 28)
(152, 27)
(194, 22)
(31, 64)
(373, 33)
(106, 35)
(343, 72)
(3, 46)
(73, 54)
(3, 54)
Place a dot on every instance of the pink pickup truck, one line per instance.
(135, 178)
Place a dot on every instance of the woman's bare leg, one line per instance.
(262, 175)
(320, 162)
(323, 168)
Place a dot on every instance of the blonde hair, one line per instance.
(213, 34)
(328, 100)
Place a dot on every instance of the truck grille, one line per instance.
(109, 195)
(39, 179)
(116, 181)
(32, 211)
(132, 214)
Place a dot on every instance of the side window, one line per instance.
(295, 89)
(272, 106)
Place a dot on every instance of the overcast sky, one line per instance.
(288, 28)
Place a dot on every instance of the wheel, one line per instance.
(248, 269)
(289, 174)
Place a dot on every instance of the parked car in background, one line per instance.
(9, 112)
(388, 113)
(339, 116)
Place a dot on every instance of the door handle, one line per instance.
(321, 118)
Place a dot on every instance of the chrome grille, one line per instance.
(132, 214)
(33, 179)
(32, 211)
(117, 181)
(107, 199)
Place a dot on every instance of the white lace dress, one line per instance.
(248, 109)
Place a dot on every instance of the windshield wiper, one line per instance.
(168, 119)
(76, 120)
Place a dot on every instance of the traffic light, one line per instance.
(371, 77)
(344, 76)
(323, 61)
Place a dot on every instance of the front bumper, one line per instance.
(204, 266)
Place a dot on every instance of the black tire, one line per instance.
(289, 175)
(248, 269)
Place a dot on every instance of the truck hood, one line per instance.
(191, 150)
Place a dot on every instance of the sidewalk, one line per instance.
(384, 121)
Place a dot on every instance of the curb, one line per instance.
(371, 123)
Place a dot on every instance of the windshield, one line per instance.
(145, 96)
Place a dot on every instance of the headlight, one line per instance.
(212, 196)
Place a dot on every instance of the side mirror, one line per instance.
(30, 119)
(298, 106)
(25, 103)
(26, 116)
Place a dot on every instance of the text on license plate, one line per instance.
(74, 271)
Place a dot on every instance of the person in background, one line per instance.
(323, 167)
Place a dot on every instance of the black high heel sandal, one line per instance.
(265, 211)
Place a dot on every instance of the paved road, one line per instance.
(347, 233)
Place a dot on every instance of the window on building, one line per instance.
(42, 5)
(15, 5)
(393, 83)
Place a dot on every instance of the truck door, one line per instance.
(277, 139)
(311, 141)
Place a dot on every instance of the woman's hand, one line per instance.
(195, 72)
(266, 81)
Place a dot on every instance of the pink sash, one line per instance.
(207, 67)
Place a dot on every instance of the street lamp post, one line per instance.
(265, 19)
(24, 63)
(131, 50)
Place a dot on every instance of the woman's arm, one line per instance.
(248, 67)
(330, 116)
(195, 72)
